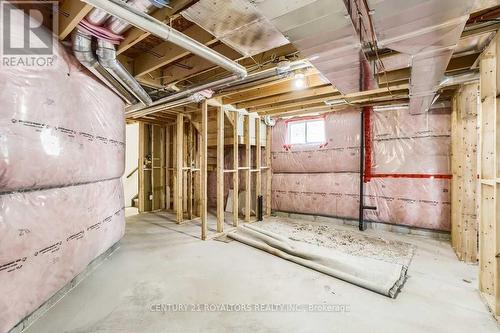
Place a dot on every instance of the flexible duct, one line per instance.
(161, 30)
(82, 49)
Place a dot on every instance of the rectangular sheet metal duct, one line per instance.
(323, 31)
(428, 31)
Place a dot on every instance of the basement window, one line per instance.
(308, 131)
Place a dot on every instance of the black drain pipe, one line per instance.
(361, 170)
(260, 206)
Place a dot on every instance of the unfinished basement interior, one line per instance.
(249, 166)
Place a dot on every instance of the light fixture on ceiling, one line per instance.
(299, 80)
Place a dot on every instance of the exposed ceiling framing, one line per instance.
(165, 67)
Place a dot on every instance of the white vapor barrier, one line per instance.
(48, 237)
(58, 125)
(236, 23)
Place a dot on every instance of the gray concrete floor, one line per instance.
(159, 262)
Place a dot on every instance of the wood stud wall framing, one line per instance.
(179, 155)
(464, 233)
(489, 175)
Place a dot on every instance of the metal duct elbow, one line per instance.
(107, 58)
(82, 49)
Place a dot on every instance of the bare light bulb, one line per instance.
(299, 81)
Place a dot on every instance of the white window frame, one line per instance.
(289, 131)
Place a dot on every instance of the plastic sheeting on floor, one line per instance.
(379, 276)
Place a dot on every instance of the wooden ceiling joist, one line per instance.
(358, 97)
(291, 100)
(193, 64)
(311, 81)
(135, 35)
(148, 62)
(288, 96)
(71, 12)
(203, 71)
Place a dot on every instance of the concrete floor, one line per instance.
(159, 262)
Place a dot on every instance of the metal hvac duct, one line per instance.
(97, 16)
(195, 98)
(218, 85)
(107, 58)
(82, 49)
(426, 30)
(327, 32)
(147, 23)
(106, 50)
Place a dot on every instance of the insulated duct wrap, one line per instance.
(410, 182)
(48, 237)
(58, 126)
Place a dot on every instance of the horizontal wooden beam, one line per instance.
(167, 53)
(71, 12)
(358, 97)
(193, 64)
(135, 35)
(288, 96)
(203, 71)
(311, 81)
(295, 103)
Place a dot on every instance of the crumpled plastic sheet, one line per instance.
(48, 237)
(58, 125)
(310, 179)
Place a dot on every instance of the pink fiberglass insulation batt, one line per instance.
(423, 203)
(405, 143)
(323, 179)
(48, 237)
(58, 126)
(339, 153)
